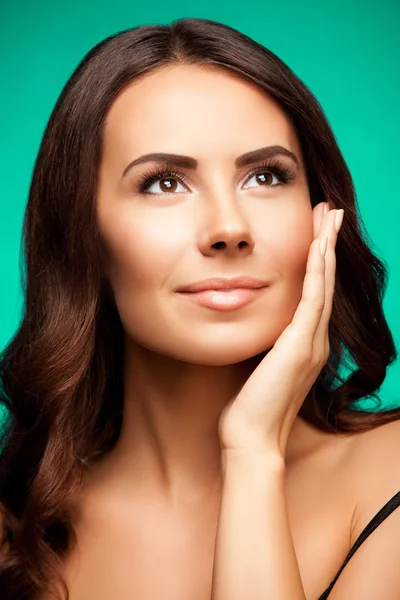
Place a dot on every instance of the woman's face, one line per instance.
(215, 220)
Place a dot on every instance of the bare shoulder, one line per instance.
(374, 469)
(369, 471)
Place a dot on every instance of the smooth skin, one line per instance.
(196, 501)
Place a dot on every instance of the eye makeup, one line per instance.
(275, 166)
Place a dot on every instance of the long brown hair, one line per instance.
(61, 374)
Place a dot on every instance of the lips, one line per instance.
(224, 283)
(229, 293)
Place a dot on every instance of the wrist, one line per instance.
(253, 460)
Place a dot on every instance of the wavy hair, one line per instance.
(61, 373)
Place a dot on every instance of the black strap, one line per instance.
(380, 516)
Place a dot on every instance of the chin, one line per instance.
(220, 354)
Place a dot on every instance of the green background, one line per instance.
(347, 53)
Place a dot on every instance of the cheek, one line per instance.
(145, 251)
(144, 254)
(294, 249)
(291, 240)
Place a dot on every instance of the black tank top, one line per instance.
(380, 516)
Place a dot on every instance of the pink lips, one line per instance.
(224, 293)
(224, 300)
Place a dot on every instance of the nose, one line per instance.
(227, 231)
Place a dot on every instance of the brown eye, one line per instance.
(167, 182)
(264, 174)
(264, 178)
(168, 185)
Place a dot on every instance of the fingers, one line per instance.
(309, 311)
(309, 327)
(328, 228)
(318, 216)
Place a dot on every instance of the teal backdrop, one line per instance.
(347, 53)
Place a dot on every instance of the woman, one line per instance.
(165, 441)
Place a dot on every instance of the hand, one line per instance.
(261, 416)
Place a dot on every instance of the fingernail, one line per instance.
(326, 207)
(323, 245)
(339, 219)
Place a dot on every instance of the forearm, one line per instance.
(254, 554)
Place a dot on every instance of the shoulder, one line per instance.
(371, 472)
(374, 468)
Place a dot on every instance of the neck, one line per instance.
(169, 438)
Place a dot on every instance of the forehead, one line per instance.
(195, 109)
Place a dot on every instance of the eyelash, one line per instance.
(275, 166)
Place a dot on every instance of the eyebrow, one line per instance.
(188, 162)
